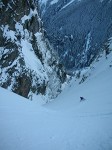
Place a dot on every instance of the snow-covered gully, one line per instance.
(65, 123)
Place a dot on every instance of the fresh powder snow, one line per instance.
(65, 123)
(54, 2)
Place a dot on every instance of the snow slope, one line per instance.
(63, 124)
(69, 3)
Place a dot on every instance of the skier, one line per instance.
(82, 99)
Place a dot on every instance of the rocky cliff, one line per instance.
(28, 64)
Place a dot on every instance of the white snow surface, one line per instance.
(65, 123)
(8, 34)
(54, 2)
(69, 3)
(30, 58)
(43, 2)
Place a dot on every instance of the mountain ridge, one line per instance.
(70, 29)
(27, 60)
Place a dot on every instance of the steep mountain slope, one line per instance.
(66, 123)
(28, 64)
(77, 29)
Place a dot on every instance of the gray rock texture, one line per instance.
(21, 43)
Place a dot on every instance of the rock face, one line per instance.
(77, 29)
(28, 64)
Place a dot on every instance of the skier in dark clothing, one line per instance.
(82, 99)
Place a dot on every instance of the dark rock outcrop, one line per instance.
(26, 58)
